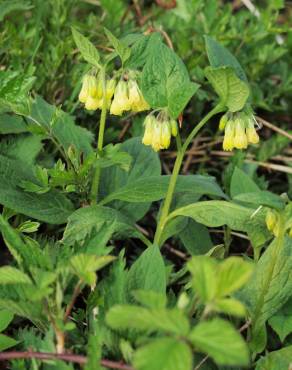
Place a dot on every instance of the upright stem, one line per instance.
(177, 165)
(96, 175)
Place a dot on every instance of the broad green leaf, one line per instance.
(242, 183)
(270, 285)
(61, 126)
(24, 148)
(85, 266)
(86, 48)
(147, 272)
(6, 342)
(219, 56)
(163, 354)
(87, 220)
(122, 50)
(52, 207)
(150, 298)
(12, 124)
(204, 281)
(232, 91)
(195, 237)
(221, 342)
(232, 274)
(151, 320)
(11, 275)
(165, 81)
(281, 322)
(141, 50)
(229, 306)
(145, 163)
(5, 319)
(173, 228)
(14, 92)
(276, 360)
(216, 213)
(155, 187)
(262, 198)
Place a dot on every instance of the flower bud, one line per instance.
(222, 122)
(271, 220)
(174, 128)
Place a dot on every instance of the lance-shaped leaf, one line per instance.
(232, 91)
(86, 48)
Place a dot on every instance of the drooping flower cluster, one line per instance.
(239, 130)
(158, 130)
(128, 96)
(91, 93)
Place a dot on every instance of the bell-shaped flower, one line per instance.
(228, 142)
(137, 101)
(252, 136)
(240, 138)
(89, 88)
(93, 103)
(121, 100)
(110, 89)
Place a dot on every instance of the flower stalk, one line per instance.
(177, 165)
(97, 170)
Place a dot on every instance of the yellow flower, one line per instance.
(84, 89)
(99, 89)
(156, 137)
(228, 142)
(158, 131)
(149, 128)
(93, 103)
(121, 100)
(165, 134)
(240, 138)
(137, 101)
(252, 136)
(110, 89)
(89, 88)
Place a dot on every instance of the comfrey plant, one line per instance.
(149, 315)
